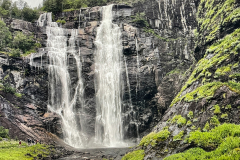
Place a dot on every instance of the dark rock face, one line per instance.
(149, 52)
(26, 116)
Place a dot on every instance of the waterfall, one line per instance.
(63, 97)
(108, 127)
(137, 73)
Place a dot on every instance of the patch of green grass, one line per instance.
(10, 150)
(135, 155)
(152, 138)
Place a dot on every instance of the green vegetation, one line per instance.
(190, 115)
(61, 21)
(4, 133)
(10, 150)
(181, 121)
(17, 45)
(206, 127)
(5, 37)
(222, 50)
(223, 70)
(135, 155)
(223, 141)
(56, 6)
(189, 123)
(8, 89)
(179, 136)
(175, 71)
(214, 121)
(18, 9)
(213, 17)
(175, 118)
(152, 138)
(235, 75)
(224, 116)
(217, 109)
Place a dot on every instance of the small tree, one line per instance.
(4, 133)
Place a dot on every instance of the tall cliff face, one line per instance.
(210, 96)
(157, 41)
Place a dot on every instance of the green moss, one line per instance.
(217, 109)
(222, 51)
(228, 106)
(189, 123)
(214, 120)
(228, 150)
(135, 155)
(234, 86)
(223, 70)
(179, 136)
(214, 137)
(206, 127)
(224, 116)
(181, 121)
(175, 118)
(175, 71)
(213, 16)
(152, 138)
(193, 127)
(190, 115)
(235, 75)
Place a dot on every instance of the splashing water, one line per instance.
(108, 127)
(62, 98)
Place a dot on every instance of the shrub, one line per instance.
(8, 89)
(61, 21)
(4, 133)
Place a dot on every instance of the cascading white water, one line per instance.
(61, 99)
(108, 128)
(137, 73)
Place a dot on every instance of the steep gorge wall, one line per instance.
(163, 46)
(210, 96)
